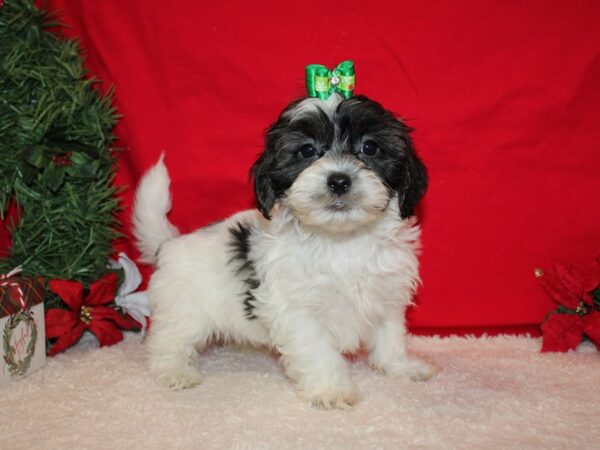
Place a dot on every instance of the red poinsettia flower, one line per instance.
(577, 314)
(86, 313)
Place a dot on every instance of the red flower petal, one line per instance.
(67, 340)
(124, 322)
(70, 291)
(562, 332)
(557, 291)
(591, 280)
(570, 277)
(59, 322)
(106, 332)
(103, 290)
(592, 327)
(130, 323)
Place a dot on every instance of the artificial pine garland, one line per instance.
(56, 163)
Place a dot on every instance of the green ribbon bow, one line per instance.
(322, 82)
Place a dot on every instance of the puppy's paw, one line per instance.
(180, 379)
(335, 397)
(412, 368)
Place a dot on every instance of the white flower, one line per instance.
(133, 303)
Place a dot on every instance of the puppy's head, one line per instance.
(336, 164)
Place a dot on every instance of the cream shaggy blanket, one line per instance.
(492, 393)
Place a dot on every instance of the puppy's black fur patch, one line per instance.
(243, 266)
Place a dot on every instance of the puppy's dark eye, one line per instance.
(369, 148)
(308, 151)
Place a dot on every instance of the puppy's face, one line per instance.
(337, 164)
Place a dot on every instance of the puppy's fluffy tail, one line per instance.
(152, 204)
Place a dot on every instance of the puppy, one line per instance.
(326, 265)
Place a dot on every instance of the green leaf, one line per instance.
(3, 203)
(596, 297)
(35, 155)
(82, 167)
(64, 145)
(564, 310)
(54, 177)
(27, 172)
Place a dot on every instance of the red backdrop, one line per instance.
(504, 97)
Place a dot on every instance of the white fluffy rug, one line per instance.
(492, 393)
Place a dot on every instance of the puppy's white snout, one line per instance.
(339, 183)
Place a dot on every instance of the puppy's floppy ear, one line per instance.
(263, 170)
(415, 182)
(264, 191)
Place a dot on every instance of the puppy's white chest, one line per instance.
(349, 311)
(349, 286)
(353, 299)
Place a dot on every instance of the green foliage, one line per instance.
(55, 157)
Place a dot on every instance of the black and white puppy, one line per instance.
(328, 264)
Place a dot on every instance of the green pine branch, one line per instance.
(56, 163)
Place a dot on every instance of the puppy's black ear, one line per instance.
(264, 191)
(266, 166)
(415, 183)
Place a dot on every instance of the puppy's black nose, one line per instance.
(339, 183)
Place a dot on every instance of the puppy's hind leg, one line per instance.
(171, 347)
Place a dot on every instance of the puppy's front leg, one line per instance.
(311, 360)
(387, 352)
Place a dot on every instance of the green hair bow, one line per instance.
(322, 82)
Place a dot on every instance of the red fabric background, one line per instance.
(504, 96)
